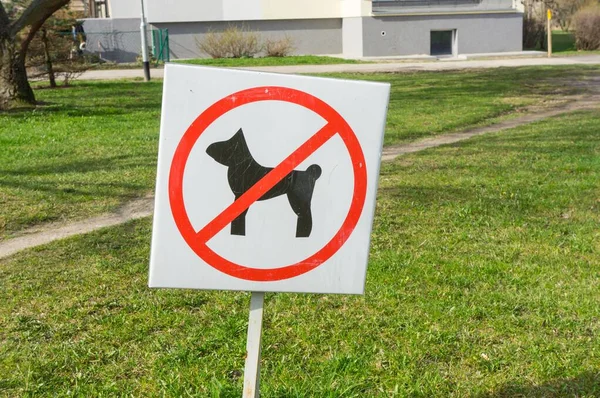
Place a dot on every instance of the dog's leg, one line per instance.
(302, 210)
(238, 225)
(304, 225)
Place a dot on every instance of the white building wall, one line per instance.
(355, 8)
(124, 8)
(304, 9)
(167, 11)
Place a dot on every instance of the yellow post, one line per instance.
(549, 29)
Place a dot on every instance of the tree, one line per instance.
(17, 29)
(55, 50)
(564, 10)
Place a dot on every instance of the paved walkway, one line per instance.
(372, 67)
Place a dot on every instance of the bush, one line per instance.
(279, 47)
(54, 53)
(534, 32)
(71, 69)
(212, 44)
(587, 28)
(234, 42)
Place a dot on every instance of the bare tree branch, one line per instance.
(30, 35)
(38, 10)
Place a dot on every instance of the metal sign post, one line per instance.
(145, 57)
(252, 368)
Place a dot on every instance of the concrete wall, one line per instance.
(352, 36)
(313, 36)
(126, 8)
(408, 35)
(116, 40)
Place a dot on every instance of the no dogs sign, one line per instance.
(266, 182)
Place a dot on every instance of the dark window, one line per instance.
(441, 42)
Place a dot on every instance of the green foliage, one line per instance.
(483, 282)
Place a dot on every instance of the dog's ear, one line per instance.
(238, 137)
(227, 152)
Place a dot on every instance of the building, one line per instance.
(90, 8)
(354, 28)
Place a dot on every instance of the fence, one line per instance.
(121, 47)
(160, 45)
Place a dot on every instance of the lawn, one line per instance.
(91, 148)
(483, 282)
(268, 61)
(563, 44)
(241, 62)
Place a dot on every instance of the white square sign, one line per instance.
(266, 182)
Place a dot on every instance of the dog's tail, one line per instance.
(314, 171)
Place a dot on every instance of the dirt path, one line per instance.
(143, 207)
(47, 233)
(587, 102)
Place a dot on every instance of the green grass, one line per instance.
(483, 282)
(563, 43)
(241, 62)
(91, 148)
(124, 65)
(87, 150)
(268, 61)
(429, 104)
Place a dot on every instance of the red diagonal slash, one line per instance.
(266, 183)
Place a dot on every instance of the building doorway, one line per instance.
(443, 42)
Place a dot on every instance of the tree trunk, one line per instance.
(48, 59)
(14, 87)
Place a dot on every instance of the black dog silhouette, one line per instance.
(243, 172)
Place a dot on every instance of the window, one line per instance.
(100, 9)
(442, 42)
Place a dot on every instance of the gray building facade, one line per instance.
(352, 28)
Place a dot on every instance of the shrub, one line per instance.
(534, 32)
(213, 45)
(587, 28)
(279, 47)
(71, 69)
(234, 42)
(54, 53)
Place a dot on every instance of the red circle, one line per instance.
(227, 104)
